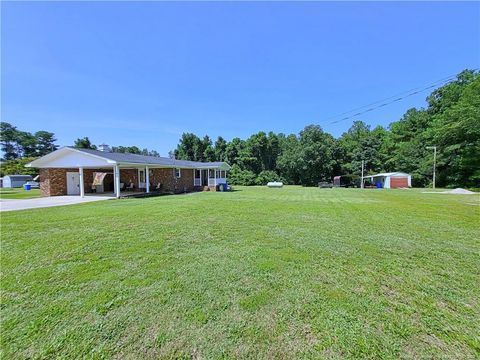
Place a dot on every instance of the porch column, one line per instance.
(116, 180)
(201, 183)
(82, 185)
(215, 175)
(147, 179)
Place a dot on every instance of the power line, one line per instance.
(394, 98)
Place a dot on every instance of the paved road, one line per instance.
(23, 204)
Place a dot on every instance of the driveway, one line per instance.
(23, 204)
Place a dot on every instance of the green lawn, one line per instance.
(19, 193)
(255, 273)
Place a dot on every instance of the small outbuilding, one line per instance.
(15, 181)
(390, 180)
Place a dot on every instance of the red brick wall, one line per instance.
(168, 181)
(128, 176)
(53, 182)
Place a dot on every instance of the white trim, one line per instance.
(116, 181)
(59, 153)
(147, 179)
(141, 185)
(82, 184)
(179, 173)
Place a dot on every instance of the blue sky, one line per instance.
(140, 74)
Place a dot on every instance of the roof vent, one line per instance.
(104, 148)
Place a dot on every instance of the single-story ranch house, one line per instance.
(72, 171)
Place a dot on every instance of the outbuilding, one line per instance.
(15, 181)
(391, 180)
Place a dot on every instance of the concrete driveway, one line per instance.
(23, 204)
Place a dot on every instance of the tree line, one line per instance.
(85, 143)
(451, 121)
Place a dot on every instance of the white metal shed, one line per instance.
(391, 180)
(15, 181)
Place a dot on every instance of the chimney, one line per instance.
(104, 147)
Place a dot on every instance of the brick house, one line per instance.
(72, 171)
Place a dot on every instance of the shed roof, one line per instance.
(18, 177)
(123, 159)
(389, 174)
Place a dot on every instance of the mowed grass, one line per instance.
(19, 193)
(255, 273)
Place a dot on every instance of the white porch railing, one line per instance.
(216, 181)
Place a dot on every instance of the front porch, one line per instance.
(140, 181)
(209, 178)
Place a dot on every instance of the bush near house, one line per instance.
(17, 167)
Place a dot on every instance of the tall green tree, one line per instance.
(288, 162)
(316, 155)
(10, 141)
(17, 144)
(84, 143)
(187, 148)
(220, 149)
(206, 151)
(456, 133)
(45, 142)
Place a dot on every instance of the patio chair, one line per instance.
(130, 187)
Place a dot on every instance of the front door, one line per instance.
(73, 183)
(205, 178)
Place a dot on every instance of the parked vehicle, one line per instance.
(325, 184)
(346, 181)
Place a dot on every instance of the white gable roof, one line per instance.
(389, 174)
(70, 158)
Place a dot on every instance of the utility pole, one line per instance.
(434, 161)
(363, 163)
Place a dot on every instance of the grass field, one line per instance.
(19, 193)
(255, 273)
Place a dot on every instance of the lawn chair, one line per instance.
(130, 187)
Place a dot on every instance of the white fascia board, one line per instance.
(70, 158)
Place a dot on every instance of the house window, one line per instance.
(178, 173)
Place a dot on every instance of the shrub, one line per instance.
(266, 176)
(237, 176)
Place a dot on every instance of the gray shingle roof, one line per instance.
(151, 160)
